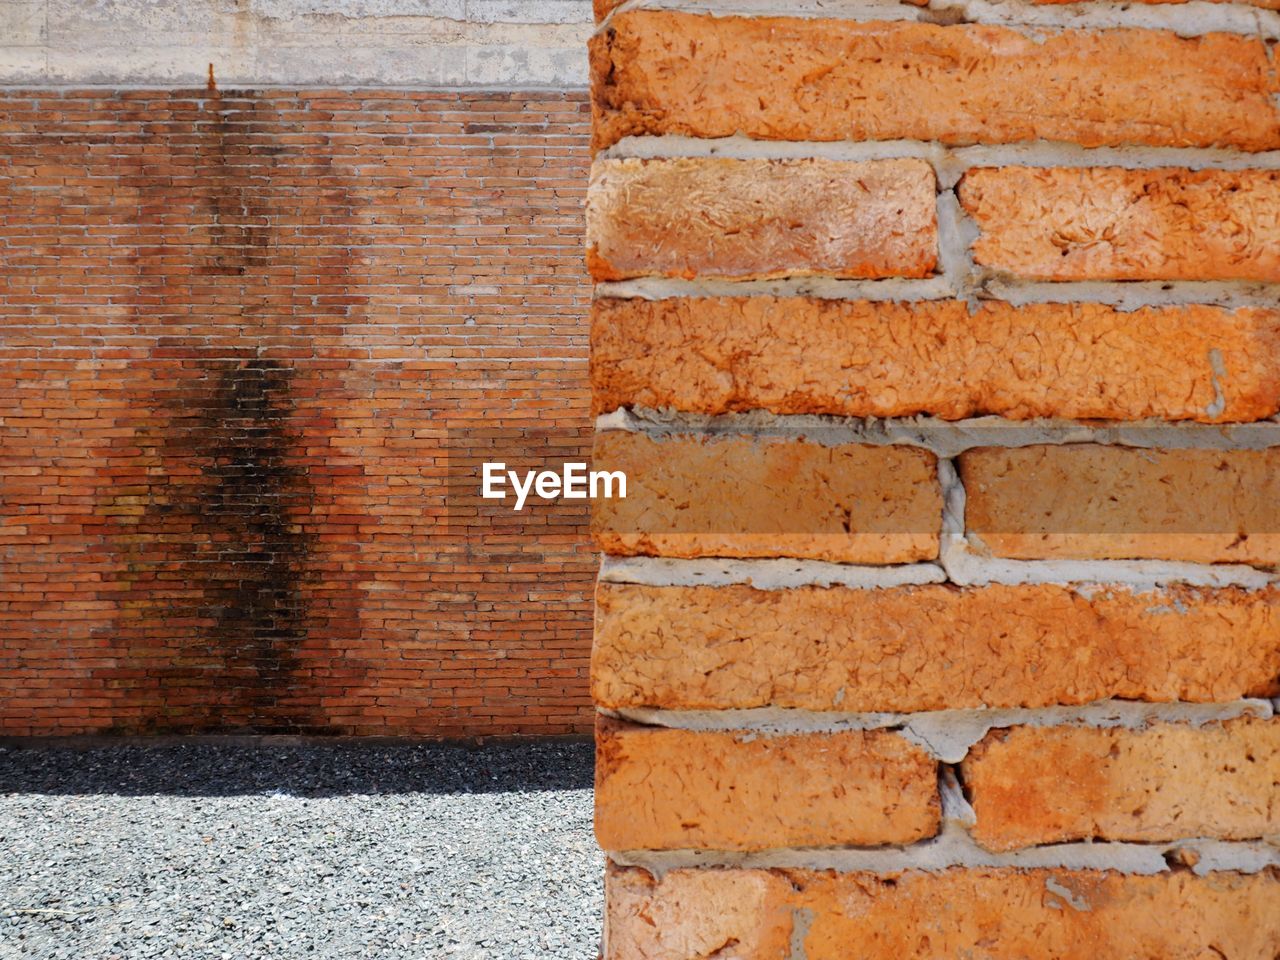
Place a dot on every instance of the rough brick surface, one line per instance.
(658, 72)
(760, 218)
(929, 647)
(1105, 223)
(733, 496)
(660, 789)
(1105, 502)
(857, 358)
(988, 913)
(602, 8)
(244, 339)
(1049, 785)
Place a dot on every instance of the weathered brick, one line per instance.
(1111, 502)
(1031, 785)
(733, 496)
(1107, 223)
(666, 789)
(756, 219)
(856, 358)
(776, 78)
(814, 648)
(246, 338)
(995, 914)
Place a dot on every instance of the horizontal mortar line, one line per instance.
(947, 735)
(956, 565)
(1126, 295)
(822, 288)
(767, 574)
(1192, 19)
(1041, 153)
(946, 438)
(966, 568)
(954, 848)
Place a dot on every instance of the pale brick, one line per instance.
(992, 914)
(1111, 502)
(664, 789)
(1037, 785)
(752, 219)
(863, 359)
(1106, 223)
(776, 78)
(929, 647)
(733, 496)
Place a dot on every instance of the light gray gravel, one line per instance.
(291, 852)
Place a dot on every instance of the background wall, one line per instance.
(251, 340)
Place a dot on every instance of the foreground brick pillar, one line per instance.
(943, 361)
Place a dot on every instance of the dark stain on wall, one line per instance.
(214, 555)
(210, 525)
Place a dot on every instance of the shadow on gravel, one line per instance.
(310, 770)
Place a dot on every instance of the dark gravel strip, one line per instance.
(333, 851)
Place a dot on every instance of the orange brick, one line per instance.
(760, 218)
(1105, 223)
(731, 496)
(1004, 914)
(862, 359)
(666, 789)
(814, 648)
(777, 78)
(1111, 502)
(1032, 785)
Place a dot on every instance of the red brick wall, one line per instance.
(246, 340)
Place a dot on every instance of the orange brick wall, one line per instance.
(939, 344)
(248, 342)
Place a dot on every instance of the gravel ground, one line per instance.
(288, 852)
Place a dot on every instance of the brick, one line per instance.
(794, 355)
(666, 789)
(1106, 223)
(778, 78)
(814, 648)
(1033, 785)
(243, 339)
(1115, 503)
(732, 496)
(995, 914)
(755, 219)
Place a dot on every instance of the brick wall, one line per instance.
(249, 340)
(943, 616)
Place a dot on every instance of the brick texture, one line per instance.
(248, 342)
(690, 496)
(756, 219)
(661, 72)
(1099, 502)
(814, 648)
(1030, 312)
(1004, 914)
(662, 789)
(1104, 223)
(1034, 785)
(855, 358)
